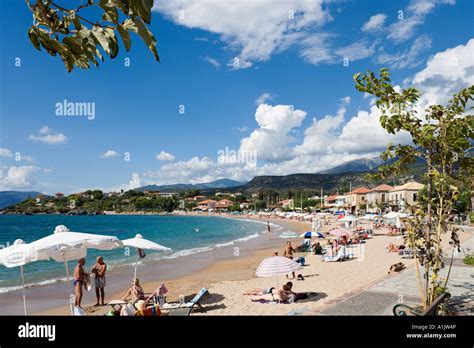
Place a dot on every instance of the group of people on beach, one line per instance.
(82, 279)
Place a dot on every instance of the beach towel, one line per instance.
(78, 311)
(141, 253)
(128, 310)
(87, 281)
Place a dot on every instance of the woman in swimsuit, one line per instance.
(282, 295)
(136, 291)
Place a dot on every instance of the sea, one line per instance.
(198, 236)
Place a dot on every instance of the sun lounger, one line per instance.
(339, 257)
(190, 305)
(406, 253)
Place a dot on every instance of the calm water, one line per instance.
(184, 234)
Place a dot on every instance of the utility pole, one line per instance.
(321, 207)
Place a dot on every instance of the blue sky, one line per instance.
(290, 100)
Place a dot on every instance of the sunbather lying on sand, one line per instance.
(281, 295)
(258, 291)
(392, 248)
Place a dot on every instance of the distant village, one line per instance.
(359, 200)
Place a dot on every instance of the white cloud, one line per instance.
(446, 73)
(212, 61)
(320, 135)
(135, 181)
(110, 154)
(49, 137)
(45, 130)
(413, 17)
(263, 98)
(410, 57)
(5, 152)
(241, 129)
(17, 177)
(357, 50)
(257, 29)
(316, 49)
(375, 22)
(164, 156)
(271, 139)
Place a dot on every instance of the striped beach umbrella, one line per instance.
(339, 232)
(276, 265)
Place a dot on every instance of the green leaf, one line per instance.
(125, 35)
(141, 8)
(33, 35)
(102, 39)
(137, 26)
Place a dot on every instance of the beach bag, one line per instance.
(128, 310)
(78, 311)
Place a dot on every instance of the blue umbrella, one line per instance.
(310, 234)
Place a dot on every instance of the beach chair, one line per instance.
(406, 254)
(171, 306)
(341, 255)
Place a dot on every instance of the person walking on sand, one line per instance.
(79, 277)
(288, 252)
(99, 270)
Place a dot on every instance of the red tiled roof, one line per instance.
(360, 190)
(383, 187)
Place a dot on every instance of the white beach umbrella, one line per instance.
(369, 217)
(141, 243)
(276, 265)
(64, 245)
(18, 254)
(348, 218)
(395, 214)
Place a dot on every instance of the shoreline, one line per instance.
(231, 268)
(39, 297)
(227, 276)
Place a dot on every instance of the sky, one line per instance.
(243, 88)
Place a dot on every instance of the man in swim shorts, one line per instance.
(99, 270)
(79, 281)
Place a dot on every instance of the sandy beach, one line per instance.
(228, 279)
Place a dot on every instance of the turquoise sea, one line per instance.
(186, 235)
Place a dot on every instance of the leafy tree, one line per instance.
(68, 33)
(97, 194)
(442, 138)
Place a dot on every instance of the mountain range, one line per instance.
(336, 178)
(217, 184)
(11, 197)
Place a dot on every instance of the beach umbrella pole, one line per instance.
(136, 264)
(23, 288)
(68, 281)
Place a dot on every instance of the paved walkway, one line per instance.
(381, 297)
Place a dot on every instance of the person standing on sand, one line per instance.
(288, 252)
(99, 270)
(79, 276)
